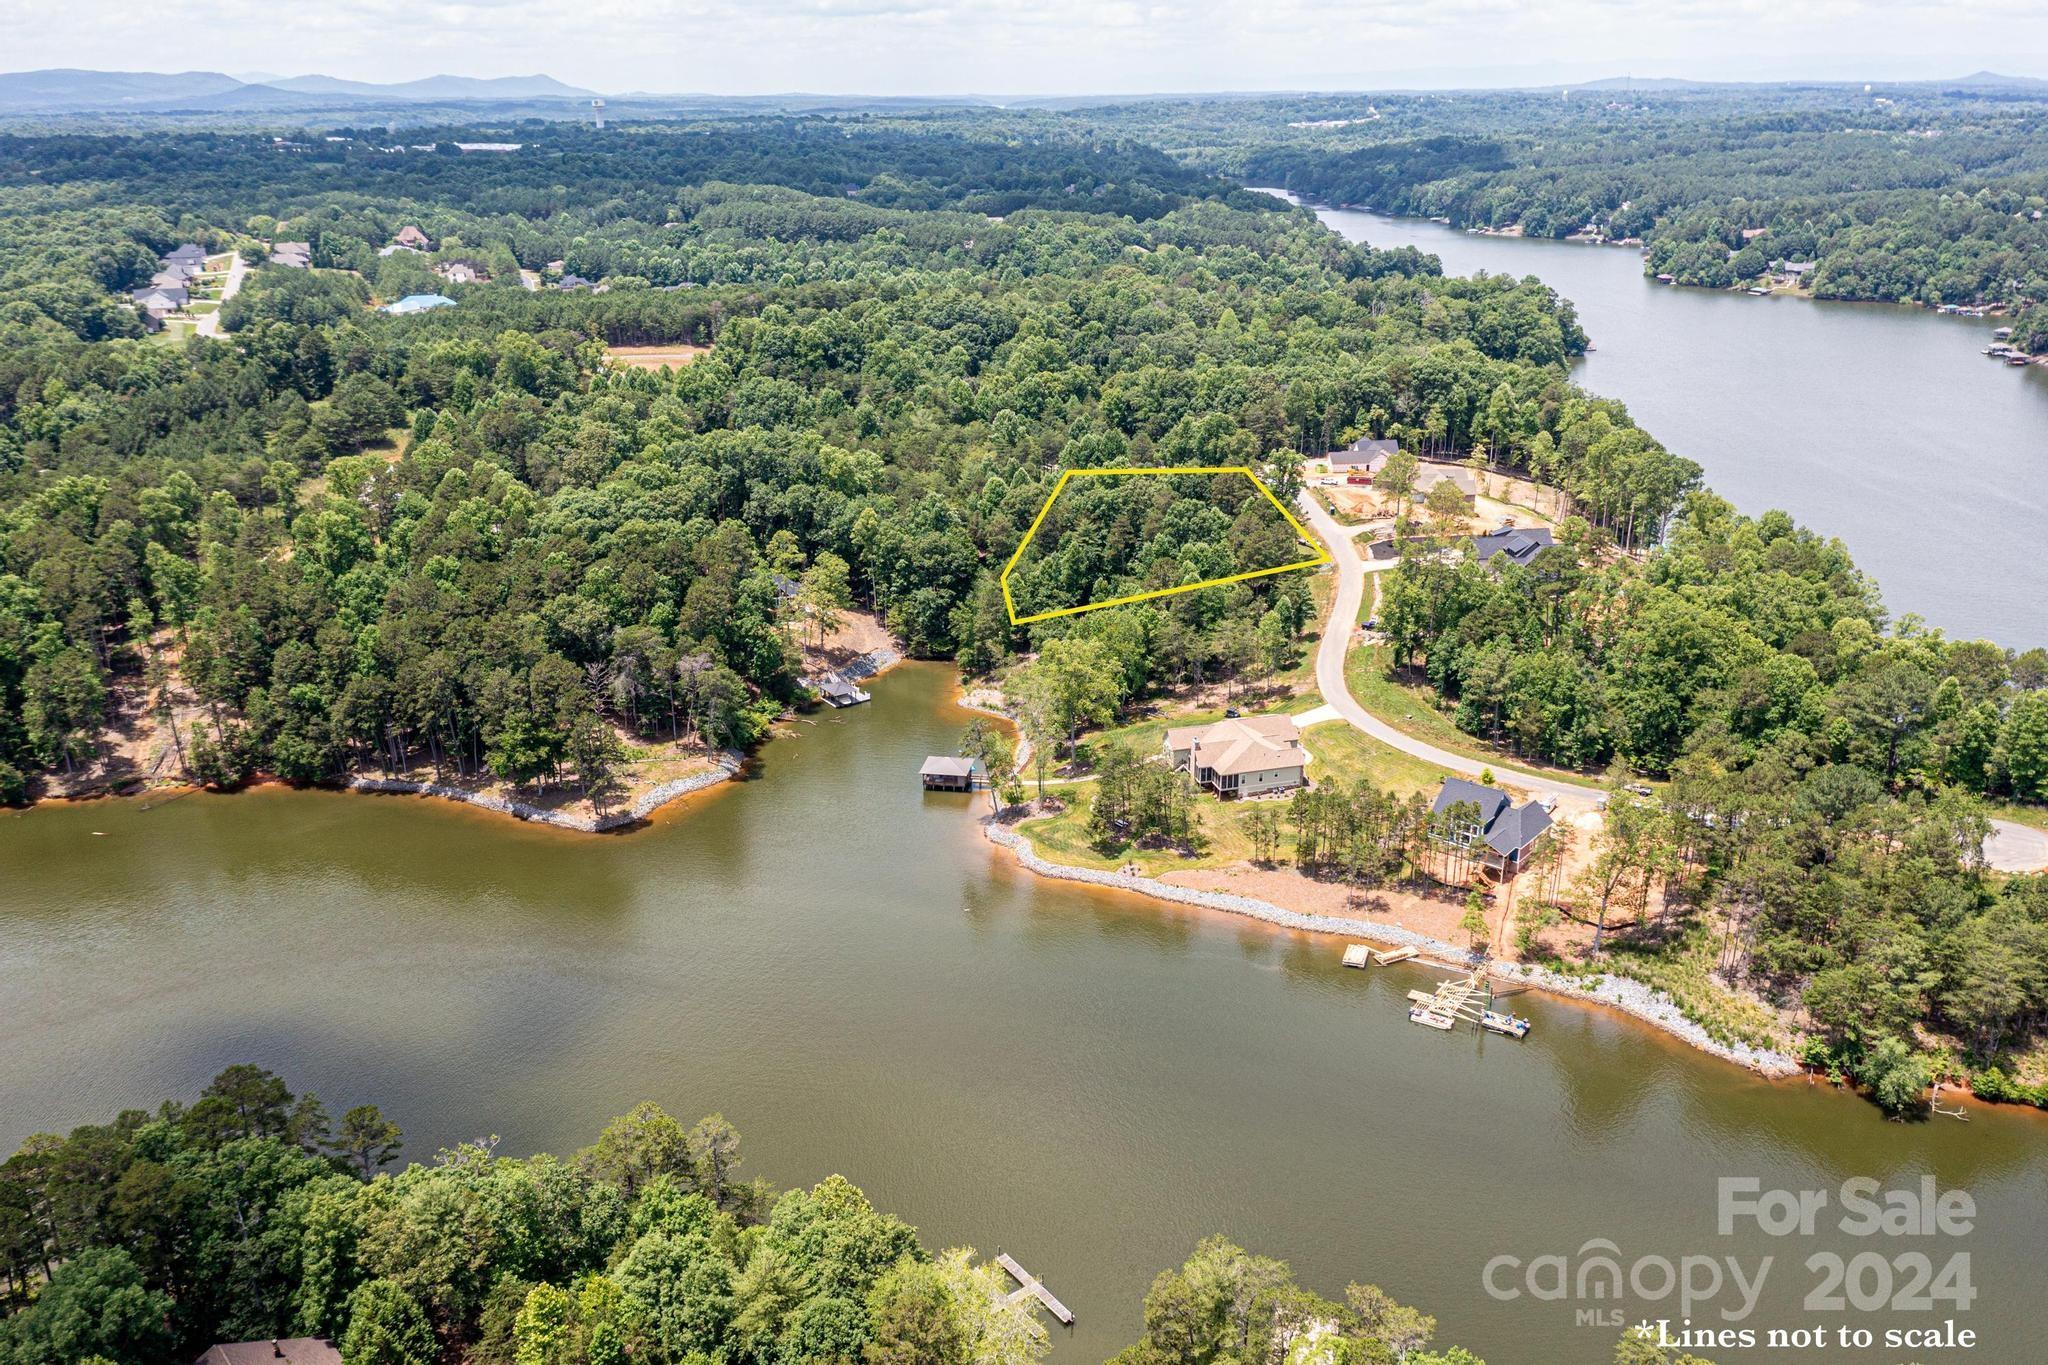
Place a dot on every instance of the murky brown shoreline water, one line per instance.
(841, 963)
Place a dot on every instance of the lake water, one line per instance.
(1882, 425)
(1089, 1080)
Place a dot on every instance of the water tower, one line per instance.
(597, 112)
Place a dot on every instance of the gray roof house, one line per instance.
(162, 298)
(1366, 451)
(1430, 474)
(1516, 544)
(297, 255)
(1505, 831)
(190, 251)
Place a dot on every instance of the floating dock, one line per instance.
(1031, 1287)
(1363, 955)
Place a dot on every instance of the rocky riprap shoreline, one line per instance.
(726, 763)
(1633, 998)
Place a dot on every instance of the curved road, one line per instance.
(1336, 643)
(2010, 848)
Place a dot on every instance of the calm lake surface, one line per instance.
(1090, 1081)
(1884, 426)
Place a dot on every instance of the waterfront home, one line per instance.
(947, 773)
(1367, 455)
(1240, 756)
(1514, 544)
(278, 1351)
(418, 303)
(1503, 833)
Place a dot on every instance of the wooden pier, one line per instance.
(1031, 1287)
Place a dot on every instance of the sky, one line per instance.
(1039, 47)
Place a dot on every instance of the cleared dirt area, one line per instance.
(653, 357)
(859, 634)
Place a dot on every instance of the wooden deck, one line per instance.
(1030, 1286)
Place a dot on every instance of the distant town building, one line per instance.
(418, 303)
(162, 298)
(1428, 476)
(1367, 453)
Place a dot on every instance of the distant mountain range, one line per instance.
(29, 93)
(61, 90)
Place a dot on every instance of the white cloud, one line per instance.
(1041, 46)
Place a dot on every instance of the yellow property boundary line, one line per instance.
(1322, 556)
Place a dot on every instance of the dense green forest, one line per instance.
(1925, 193)
(247, 1216)
(360, 540)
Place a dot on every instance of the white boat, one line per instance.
(1514, 1026)
(1430, 1019)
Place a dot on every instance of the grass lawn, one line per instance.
(1344, 754)
(1341, 754)
(1145, 736)
(1412, 709)
(1063, 838)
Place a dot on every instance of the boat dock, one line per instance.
(1031, 1287)
(1362, 955)
(1469, 999)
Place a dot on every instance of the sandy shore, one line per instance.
(1641, 1002)
(576, 816)
(724, 764)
